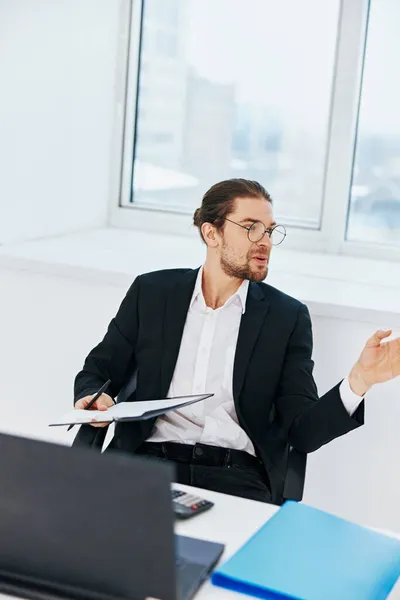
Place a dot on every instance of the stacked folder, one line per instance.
(303, 553)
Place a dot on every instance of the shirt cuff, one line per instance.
(350, 400)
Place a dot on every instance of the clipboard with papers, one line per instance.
(128, 411)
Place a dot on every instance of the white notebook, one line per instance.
(128, 411)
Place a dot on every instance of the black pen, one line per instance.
(96, 397)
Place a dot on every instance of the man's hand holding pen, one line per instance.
(102, 403)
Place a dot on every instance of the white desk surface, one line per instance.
(232, 521)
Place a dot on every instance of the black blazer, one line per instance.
(275, 395)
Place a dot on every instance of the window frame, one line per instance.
(341, 142)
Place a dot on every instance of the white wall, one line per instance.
(49, 323)
(57, 101)
(357, 475)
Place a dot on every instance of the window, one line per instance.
(235, 88)
(374, 213)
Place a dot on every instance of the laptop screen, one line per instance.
(83, 524)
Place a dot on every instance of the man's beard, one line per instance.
(233, 269)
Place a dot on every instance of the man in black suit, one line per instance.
(220, 330)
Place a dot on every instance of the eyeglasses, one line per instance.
(257, 230)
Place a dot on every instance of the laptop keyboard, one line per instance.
(189, 577)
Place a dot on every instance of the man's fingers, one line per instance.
(81, 404)
(94, 424)
(378, 336)
(104, 402)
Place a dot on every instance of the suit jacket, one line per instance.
(275, 395)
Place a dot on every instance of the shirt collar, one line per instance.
(240, 294)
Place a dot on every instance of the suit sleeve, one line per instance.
(114, 357)
(310, 422)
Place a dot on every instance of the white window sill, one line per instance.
(337, 286)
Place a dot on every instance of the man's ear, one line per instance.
(209, 235)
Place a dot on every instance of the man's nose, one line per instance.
(265, 241)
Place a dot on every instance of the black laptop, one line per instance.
(85, 526)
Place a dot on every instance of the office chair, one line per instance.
(89, 436)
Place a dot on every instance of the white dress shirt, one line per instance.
(205, 365)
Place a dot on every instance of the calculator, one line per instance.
(187, 505)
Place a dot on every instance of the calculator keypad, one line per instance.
(186, 504)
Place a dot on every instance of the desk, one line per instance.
(231, 521)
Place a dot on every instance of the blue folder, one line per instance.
(303, 553)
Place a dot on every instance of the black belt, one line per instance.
(200, 454)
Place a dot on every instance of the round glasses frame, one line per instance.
(255, 233)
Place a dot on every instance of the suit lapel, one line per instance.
(176, 310)
(257, 307)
